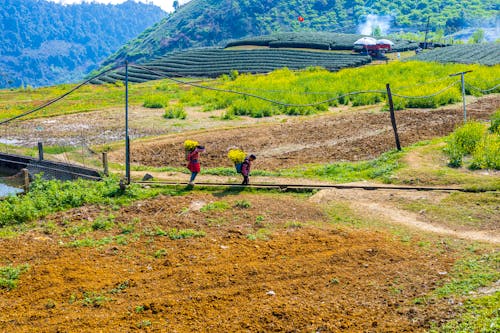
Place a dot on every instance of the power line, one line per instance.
(481, 90)
(58, 98)
(427, 96)
(264, 98)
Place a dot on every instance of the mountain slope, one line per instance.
(213, 22)
(45, 43)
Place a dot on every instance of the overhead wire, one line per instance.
(427, 96)
(481, 90)
(262, 97)
(57, 98)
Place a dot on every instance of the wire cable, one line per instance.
(481, 90)
(58, 98)
(427, 96)
(264, 98)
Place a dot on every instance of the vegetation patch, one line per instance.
(380, 168)
(9, 276)
(480, 314)
(218, 206)
(175, 233)
(473, 139)
(474, 210)
(471, 273)
(484, 54)
(51, 196)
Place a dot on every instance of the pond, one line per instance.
(5, 189)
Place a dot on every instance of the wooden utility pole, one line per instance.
(40, 151)
(393, 117)
(105, 163)
(26, 180)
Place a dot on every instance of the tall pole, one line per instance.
(127, 140)
(393, 117)
(426, 31)
(463, 91)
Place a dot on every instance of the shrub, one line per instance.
(463, 141)
(175, 112)
(495, 123)
(487, 153)
(155, 101)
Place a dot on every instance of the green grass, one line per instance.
(51, 196)
(479, 313)
(9, 276)
(381, 168)
(461, 209)
(217, 206)
(184, 233)
(471, 273)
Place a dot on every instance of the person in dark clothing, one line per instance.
(245, 168)
(194, 163)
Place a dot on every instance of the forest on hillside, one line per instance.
(212, 22)
(46, 43)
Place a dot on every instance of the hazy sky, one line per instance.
(166, 5)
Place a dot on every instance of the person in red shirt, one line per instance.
(194, 163)
(245, 168)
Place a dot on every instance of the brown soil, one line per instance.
(348, 136)
(310, 276)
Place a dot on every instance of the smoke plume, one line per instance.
(372, 22)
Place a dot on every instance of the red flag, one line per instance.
(301, 19)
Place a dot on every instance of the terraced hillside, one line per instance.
(484, 54)
(215, 62)
(314, 40)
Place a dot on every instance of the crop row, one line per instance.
(216, 62)
(314, 40)
(484, 54)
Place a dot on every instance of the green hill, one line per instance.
(44, 43)
(201, 23)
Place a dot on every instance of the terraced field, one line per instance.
(314, 40)
(215, 62)
(484, 54)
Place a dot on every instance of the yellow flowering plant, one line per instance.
(190, 145)
(236, 155)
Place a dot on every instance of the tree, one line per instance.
(176, 5)
(377, 32)
(477, 37)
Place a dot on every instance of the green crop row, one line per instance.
(485, 54)
(314, 40)
(216, 62)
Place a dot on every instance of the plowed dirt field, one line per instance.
(349, 136)
(304, 274)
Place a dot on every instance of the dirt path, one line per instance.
(378, 204)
